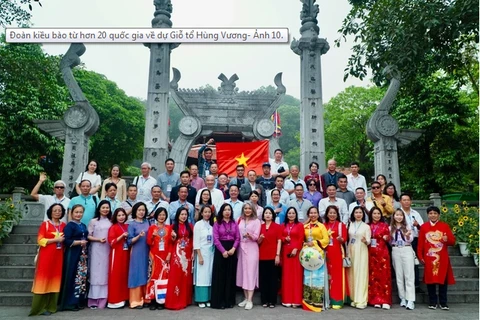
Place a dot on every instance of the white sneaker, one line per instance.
(377, 306)
(410, 305)
(249, 305)
(386, 306)
(403, 303)
(243, 303)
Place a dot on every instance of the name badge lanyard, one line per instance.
(161, 234)
(373, 242)
(59, 245)
(310, 238)
(183, 242)
(125, 244)
(245, 230)
(356, 227)
(399, 242)
(227, 231)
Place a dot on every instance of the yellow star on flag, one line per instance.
(242, 160)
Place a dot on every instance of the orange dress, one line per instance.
(48, 273)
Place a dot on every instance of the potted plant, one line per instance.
(9, 216)
(463, 222)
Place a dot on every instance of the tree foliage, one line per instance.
(417, 36)
(346, 116)
(445, 158)
(30, 89)
(119, 139)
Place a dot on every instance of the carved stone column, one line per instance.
(384, 131)
(157, 114)
(310, 48)
(79, 122)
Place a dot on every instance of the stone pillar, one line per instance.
(436, 199)
(310, 48)
(79, 121)
(156, 123)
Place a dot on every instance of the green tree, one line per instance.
(29, 89)
(445, 158)
(119, 139)
(346, 116)
(417, 36)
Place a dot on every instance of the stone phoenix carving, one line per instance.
(384, 131)
(79, 122)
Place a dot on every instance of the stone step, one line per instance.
(20, 238)
(15, 299)
(460, 272)
(460, 285)
(17, 272)
(23, 229)
(19, 248)
(453, 251)
(459, 261)
(15, 285)
(17, 259)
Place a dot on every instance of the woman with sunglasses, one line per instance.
(311, 193)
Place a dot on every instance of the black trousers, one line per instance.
(224, 275)
(442, 294)
(268, 281)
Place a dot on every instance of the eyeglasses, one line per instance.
(59, 187)
(375, 187)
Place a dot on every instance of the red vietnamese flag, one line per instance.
(251, 154)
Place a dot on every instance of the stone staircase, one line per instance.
(17, 271)
(17, 266)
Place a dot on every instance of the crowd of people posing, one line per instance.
(168, 257)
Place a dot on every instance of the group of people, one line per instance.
(166, 242)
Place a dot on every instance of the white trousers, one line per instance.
(403, 263)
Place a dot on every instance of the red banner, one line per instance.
(251, 154)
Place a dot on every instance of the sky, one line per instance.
(255, 64)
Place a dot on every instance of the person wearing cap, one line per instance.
(47, 200)
(267, 181)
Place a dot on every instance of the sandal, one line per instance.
(271, 305)
(265, 305)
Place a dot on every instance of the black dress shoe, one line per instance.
(153, 307)
(161, 307)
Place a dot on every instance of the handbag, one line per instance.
(415, 259)
(347, 263)
(161, 287)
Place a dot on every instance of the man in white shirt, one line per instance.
(217, 195)
(333, 200)
(284, 196)
(234, 202)
(155, 203)
(415, 221)
(278, 166)
(290, 184)
(47, 200)
(144, 183)
(302, 205)
(361, 201)
(128, 204)
(168, 179)
(355, 180)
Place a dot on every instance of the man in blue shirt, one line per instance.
(168, 179)
(205, 159)
(182, 202)
(88, 202)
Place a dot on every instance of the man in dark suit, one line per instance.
(332, 175)
(184, 181)
(250, 185)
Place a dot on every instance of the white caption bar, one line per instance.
(147, 35)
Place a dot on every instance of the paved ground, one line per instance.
(457, 311)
